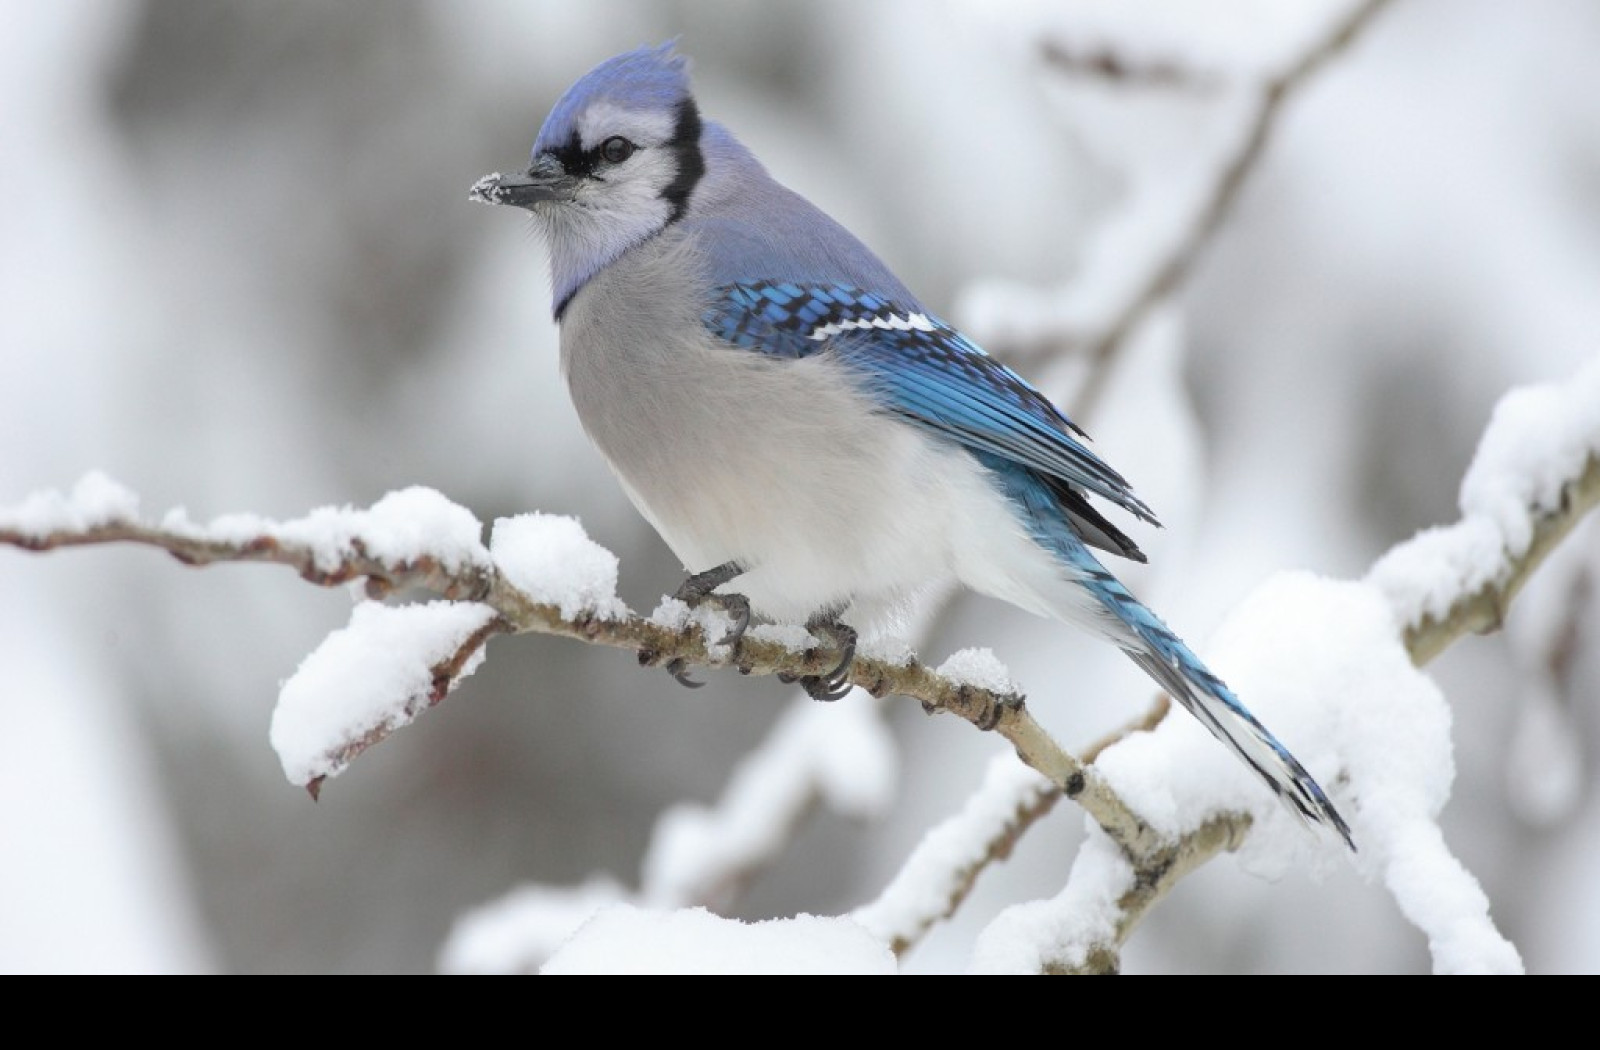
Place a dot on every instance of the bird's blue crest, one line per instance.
(647, 78)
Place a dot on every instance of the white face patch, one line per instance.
(602, 120)
(632, 188)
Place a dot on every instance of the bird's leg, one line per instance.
(836, 683)
(700, 588)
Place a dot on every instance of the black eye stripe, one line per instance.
(583, 163)
(684, 147)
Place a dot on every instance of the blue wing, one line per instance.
(928, 372)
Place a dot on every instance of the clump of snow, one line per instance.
(518, 932)
(890, 648)
(1320, 663)
(792, 636)
(402, 526)
(416, 521)
(94, 501)
(1023, 937)
(372, 676)
(551, 559)
(978, 668)
(629, 940)
(1538, 439)
(228, 528)
(839, 752)
(921, 891)
(673, 614)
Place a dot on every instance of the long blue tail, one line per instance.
(1173, 665)
(1131, 625)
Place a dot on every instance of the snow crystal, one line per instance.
(673, 614)
(518, 932)
(978, 668)
(94, 501)
(551, 559)
(374, 675)
(630, 940)
(890, 648)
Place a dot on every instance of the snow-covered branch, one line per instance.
(540, 574)
(1537, 472)
(939, 875)
(1482, 608)
(1535, 475)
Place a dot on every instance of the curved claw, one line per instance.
(737, 606)
(825, 688)
(836, 683)
(680, 674)
(697, 589)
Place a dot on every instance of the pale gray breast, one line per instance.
(730, 453)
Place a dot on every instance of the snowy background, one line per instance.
(238, 271)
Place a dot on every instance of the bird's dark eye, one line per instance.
(616, 149)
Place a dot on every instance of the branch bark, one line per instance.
(518, 613)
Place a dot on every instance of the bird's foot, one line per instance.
(699, 590)
(836, 683)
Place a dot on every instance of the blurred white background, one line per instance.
(239, 271)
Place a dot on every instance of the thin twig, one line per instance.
(1172, 271)
(1104, 63)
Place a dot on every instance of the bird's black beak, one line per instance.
(546, 181)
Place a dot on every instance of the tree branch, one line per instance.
(1171, 272)
(1475, 609)
(473, 575)
(1484, 609)
(469, 573)
(1166, 273)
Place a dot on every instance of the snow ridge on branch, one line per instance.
(540, 575)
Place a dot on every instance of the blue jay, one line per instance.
(786, 413)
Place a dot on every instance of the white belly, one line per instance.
(780, 465)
